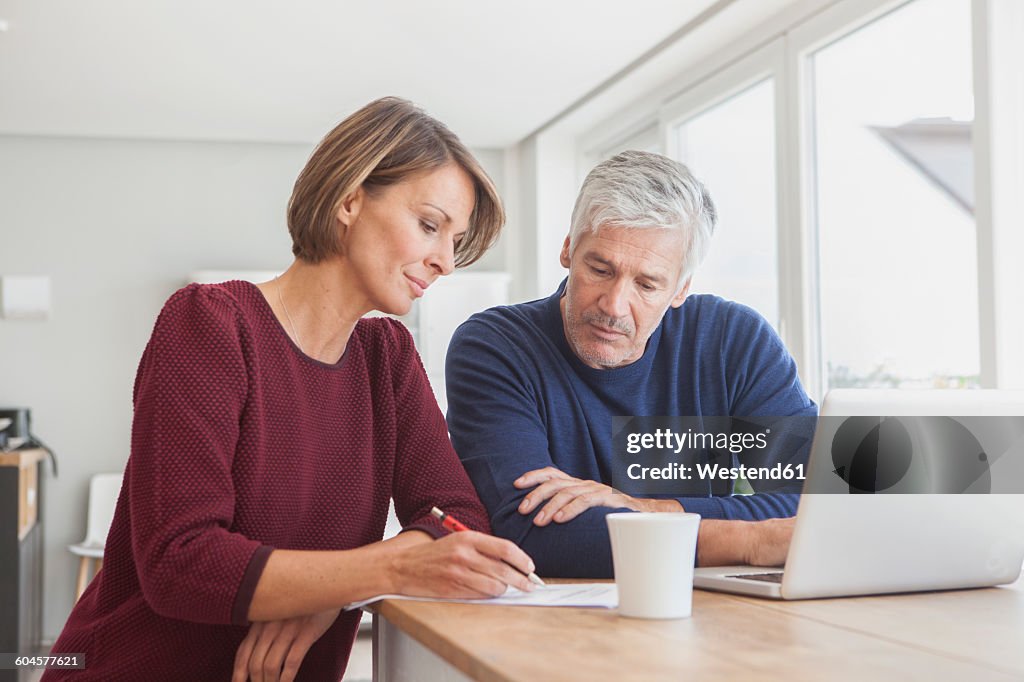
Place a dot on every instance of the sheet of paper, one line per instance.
(593, 595)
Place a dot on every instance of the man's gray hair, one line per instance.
(637, 189)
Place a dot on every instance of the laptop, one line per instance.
(859, 544)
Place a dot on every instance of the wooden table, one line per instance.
(969, 635)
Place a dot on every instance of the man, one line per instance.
(532, 388)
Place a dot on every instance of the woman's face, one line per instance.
(397, 240)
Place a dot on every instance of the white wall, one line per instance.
(493, 162)
(118, 225)
(547, 187)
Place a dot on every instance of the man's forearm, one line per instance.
(579, 548)
(758, 543)
(722, 543)
(649, 504)
(743, 507)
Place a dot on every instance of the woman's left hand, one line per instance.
(273, 650)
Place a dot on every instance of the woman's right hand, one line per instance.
(466, 565)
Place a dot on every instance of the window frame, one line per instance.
(764, 62)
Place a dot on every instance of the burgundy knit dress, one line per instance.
(241, 444)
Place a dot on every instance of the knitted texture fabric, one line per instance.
(241, 445)
(519, 399)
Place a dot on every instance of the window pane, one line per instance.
(893, 111)
(731, 149)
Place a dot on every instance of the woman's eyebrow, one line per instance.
(447, 217)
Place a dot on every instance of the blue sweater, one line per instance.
(519, 399)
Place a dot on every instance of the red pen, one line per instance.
(456, 526)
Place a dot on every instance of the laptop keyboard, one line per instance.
(763, 577)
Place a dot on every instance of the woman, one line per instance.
(272, 425)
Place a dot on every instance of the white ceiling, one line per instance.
(279, 71)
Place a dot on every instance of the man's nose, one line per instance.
(615, 300)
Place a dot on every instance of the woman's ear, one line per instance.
(348, 210)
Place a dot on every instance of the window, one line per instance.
(843, 145)
(897, 267)
(731, 149)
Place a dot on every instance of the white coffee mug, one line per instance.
(653, 555)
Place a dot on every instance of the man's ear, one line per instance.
(678, 299)
(349, 209)
(563, 257)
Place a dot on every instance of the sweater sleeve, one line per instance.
(191, 386)
(427, 470)
(762, 381)
(495, 421)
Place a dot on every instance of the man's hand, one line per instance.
(769, 541)
(273, 650)
(568, 497)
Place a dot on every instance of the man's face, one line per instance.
(621, 282)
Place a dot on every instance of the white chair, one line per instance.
(103, 492)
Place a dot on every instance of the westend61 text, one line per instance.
(708, 472)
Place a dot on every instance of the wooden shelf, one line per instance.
(28, 485)
(21, 546)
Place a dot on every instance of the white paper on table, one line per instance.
(592, 595)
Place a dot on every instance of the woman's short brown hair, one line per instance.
(387, 141)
